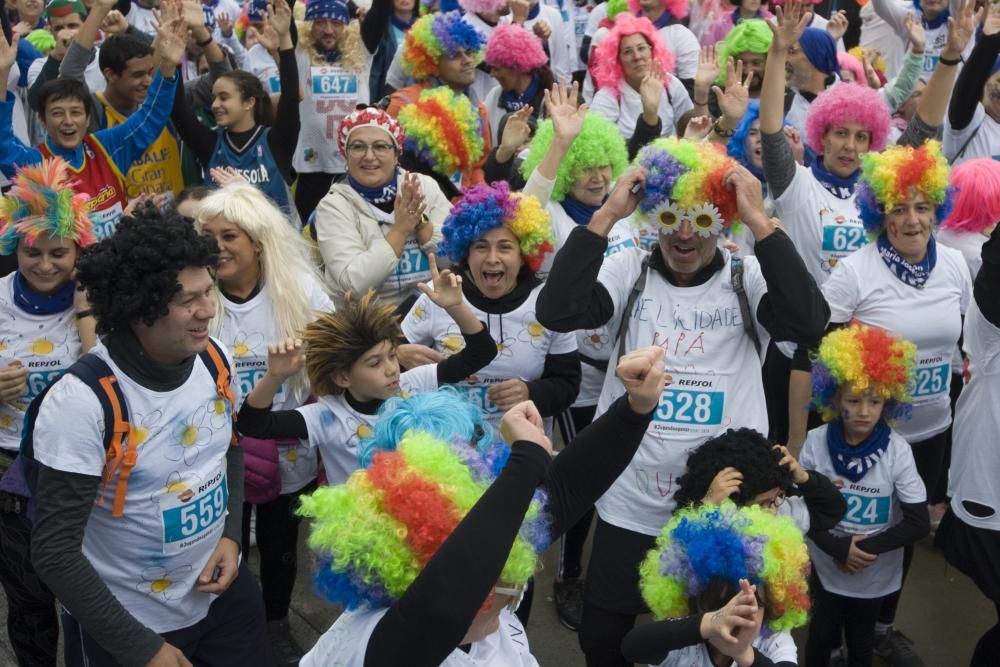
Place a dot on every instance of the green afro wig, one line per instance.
(751, 35)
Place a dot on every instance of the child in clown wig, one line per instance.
(860, 378)
(731, 583)
(430, 546)
(350, 359)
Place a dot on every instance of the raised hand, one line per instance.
(915, 31)
(411, 355)
(523, 422)
(114, 23)
(22, 28)
(280, 17)
(749, 200)
(516, 131)
(8, 52)
(643, 375)
(519, 10)
(991, 25)
(447, 286)
(226, 175)
(698, 128)
(225, 24)
(651, 91)
(733, 101)
(410, 203)
(625, 195)
(799, 476)
(723, 627)
(542, 29)
(725, 483)
(285, 358)
(962, 26)
(791, 20)
(708, 69)
(63, 39)
(743, 635)
(837, 25)
(562, 104)
(171, 42)
(194, 14)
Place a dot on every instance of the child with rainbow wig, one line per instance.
(430, 546)
(731, 583)
(862, 379)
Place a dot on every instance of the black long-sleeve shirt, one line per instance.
(986, 290)
(824, 501)
(969, 86)
(915, 525)
(284, 133)
(793, 308)
(652, 642)
(427, 623)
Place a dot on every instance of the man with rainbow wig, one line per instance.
(711, 316)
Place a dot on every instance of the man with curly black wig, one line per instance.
(150, 573)
(744, 466)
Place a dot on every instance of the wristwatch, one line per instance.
(725, 134)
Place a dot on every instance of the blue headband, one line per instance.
(317, 10)
(820, 49)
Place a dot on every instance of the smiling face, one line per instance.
(230, 109)
(494, 262)
(908, 226)
(374, 166)
(326, 34)
(66, 121)
(860, 413)
(636, 56)
(591, 185)
(686, 251)
(133, 83)
(29, 10)
(48, 265)
(239, 255)
(374, 376)
(183, 331)
(458, 71)
(843, 146)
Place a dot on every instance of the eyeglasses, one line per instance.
(774, 502)
(380, 148)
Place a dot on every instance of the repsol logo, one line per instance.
(863, 489)
(43, 364)
(210, 483)
(694, 383)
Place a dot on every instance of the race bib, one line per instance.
(865, 513)
(477, 394)
(690, 404)
(413, 265)
(933, 377)
(580, 25)
(105, 220)
(37, 381)
(930, 62)
(248, 379)
(330, 83)
(193, 514)
(617, 246)
(843, 239)
(274, 84)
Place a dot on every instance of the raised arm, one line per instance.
(969, 87)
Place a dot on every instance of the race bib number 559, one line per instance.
(188, 518)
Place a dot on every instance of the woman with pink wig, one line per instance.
(636, 88)
(518, 62)
(975, 210)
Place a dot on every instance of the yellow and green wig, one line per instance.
(710, 545)
(599, 144)
(864, 359)
(376, 532)
(443, 129)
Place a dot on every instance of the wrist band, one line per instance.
(725, 134)
(950, 61)
(206, 42)
(84, 313)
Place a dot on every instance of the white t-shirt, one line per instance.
(796, 116)
(714, 378)
(337, 429)
(626, 110)
(970, 244)
(177, 498)
(779, 647)
(522, 345)
(46, 345)
(247, 329)
(825, 227)
(985, 134)
(975, 458)
(862, 287)
(894, 13)
(142, 19)
(346, 643)
(872, 507)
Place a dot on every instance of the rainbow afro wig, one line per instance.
(43, 204)
(711, 544)
(514, 47)
(485, 207)
(677, 9)
(686, 179)
(863, 359)
(435, 36)
(976, 204)
(606, 68)
(847, 103)
(376, 532)
(443, 130)
(599, 144)
(751, 35)
(888, 178)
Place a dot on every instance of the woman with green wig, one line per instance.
(575, 156)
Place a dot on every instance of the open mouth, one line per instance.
(493, 279)
(683, 252)
(199, 332)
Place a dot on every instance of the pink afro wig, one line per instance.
(977, 199)
(678, 9)
(847, 103)
(849, 63)
(514, 47)
(483, 6)
(607, 69)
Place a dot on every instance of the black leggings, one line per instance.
(277, 540)
(570, 423)
(833, 614)
(32, 624)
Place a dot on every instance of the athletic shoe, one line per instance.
(838, 657)
(285, 650)
(569, 602)
(897, 650)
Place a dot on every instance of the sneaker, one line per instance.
(569, 602)
(838, 657)
(284, 649)
(897, 650)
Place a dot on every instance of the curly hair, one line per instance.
(751, 35)
(335, 341)
(677, 9)
(512, 46)
(977, 196)
(131, 276)
(599, 144)
(887, 179)
(352, 57)
(443, 130)
(847, 103)
(606, 67)
(744, 449)
(436, 35)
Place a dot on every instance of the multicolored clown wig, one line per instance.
(702, 547)
(485, 207)
(749, 36)
(863, 359)
(376, 532)
(686, 181)
(514, 47)
(892, 176)
(43, 204)
(599, 144)
(976, 203)
(606, 68)
(847, 103)
(443, 130)
(677, 9)
(437, 35)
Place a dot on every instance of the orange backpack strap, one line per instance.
(122, 447)
(215, 360)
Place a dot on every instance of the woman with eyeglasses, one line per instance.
(375, 229)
